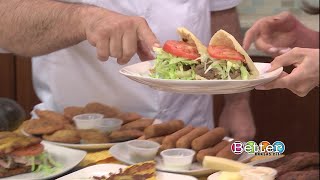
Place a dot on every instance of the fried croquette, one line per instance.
(51, 115)
(127, 117)
(125, 135)
(107, 111)
(93, 136)
(64, 136)
(139, 124)
(71, 111)
(42, 126)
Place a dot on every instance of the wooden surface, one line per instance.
(16, 81)
(25, 95)
(7, 76)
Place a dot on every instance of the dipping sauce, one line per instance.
(177, 158)
(258, 173)
(142, 150)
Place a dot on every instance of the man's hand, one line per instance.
(117, 35)
(275, 35)
(303, 78)
(236, 117)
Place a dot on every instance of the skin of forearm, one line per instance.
(227, 20)
(308, 38)
(37, 27)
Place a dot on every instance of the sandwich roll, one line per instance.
(227, 153)
(212, 151)
(209, 139)
(186, 140)
(170, 140)
(157, 139)
(163, 129)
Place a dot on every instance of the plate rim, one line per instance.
(48, 148)
(117, 165)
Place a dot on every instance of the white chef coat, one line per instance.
(73, 76)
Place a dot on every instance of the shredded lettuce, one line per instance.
(224, 68)
(168, 66)
(44, 163)
(244, 73)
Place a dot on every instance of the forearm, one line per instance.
(36, 27)
(227, 20)
(308, 38)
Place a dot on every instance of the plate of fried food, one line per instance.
(175, 134)
(60, 129)
(188, 66)
(145, 170)
(23, 157)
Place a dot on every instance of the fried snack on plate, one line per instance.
(139, 124)
(212, 151)
(301, 175)
(42, 126)
(107, 111)
(125, 135)
(226, 152)
(157, 139)
(209, 139)
(186, 140)
(127, 117)
(63, 136)
(163, 129)
(170, 140)
(71, 111)
(141, 171)
(51, 115)
(93, 136)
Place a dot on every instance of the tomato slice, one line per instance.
(222, 52)
(181, 49)
(32, 150)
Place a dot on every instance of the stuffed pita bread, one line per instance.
(222, 40)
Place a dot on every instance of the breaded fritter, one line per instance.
(64, 136)
(42, 126)
(107, 111)
(93, 136)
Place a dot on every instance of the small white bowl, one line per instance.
(258, 172)
(177, 158)
(142, 150)
(88, 121)
(107, 125)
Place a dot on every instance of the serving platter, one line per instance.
(66, 157)
(105, 169)
(140, 73)
(120, 152)
(87, 147)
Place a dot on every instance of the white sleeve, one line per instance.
(219, 5)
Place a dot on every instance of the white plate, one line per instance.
(77, 146)
(105, 169)
(87, 147)
(68, 158)
(214, 176)
(120, 152)
(140, 73)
